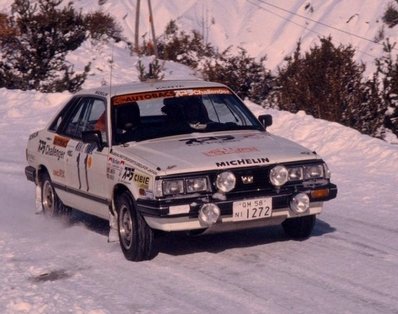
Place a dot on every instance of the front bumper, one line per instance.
(164, 214)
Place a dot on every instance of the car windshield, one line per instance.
(150, 115)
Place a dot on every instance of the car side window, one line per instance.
(88, 115)
(63, 114)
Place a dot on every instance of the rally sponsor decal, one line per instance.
(59, 173)
(60, 141)
(50, 150)
(229, 150)
(202, 91)
(209, 140)
(114, 167)
(242, 162)
(131, 175)
(101, 93)
(123, 99)
(33, 135)
(135, 163)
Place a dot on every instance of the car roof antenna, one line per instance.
(111, 71)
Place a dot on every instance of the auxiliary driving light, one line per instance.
(226, 181)
(209, 214)
(279, 175)
(300, 203)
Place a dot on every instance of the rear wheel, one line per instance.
(52, 205)
(300, 227)
(135, 236)
(49, 199)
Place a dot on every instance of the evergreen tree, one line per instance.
(325, 82)
(36, 38)
(34, 56)
(387, 69)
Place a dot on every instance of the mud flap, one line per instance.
(113, 233)
(38, 202)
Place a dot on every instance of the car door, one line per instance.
(85, 165)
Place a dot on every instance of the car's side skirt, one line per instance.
(83, 201)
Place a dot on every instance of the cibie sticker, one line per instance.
(130, 175)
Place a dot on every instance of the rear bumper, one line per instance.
(30, 173)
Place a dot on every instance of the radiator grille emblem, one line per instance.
(247, 179)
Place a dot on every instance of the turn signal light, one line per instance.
(320, 193)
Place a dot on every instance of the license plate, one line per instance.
(252, 209)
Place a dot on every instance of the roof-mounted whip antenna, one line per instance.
(110, 72)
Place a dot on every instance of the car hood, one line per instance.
(198, 151)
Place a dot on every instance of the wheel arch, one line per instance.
(118, 190)
(41, 170)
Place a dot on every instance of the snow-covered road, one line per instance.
(349, 265)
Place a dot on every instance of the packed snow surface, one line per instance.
(349, 265)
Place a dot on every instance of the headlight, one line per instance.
(226, 181)
(313, 172)
(173, 187)
(196, 185)
(181, 186)
(279, 175)
(296, 174)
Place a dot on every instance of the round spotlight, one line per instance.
(209, 214)
(279, 175)
(300, 203)
(226, 181)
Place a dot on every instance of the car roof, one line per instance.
(137, 87)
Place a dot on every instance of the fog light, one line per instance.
(209, 214)
(300, 203)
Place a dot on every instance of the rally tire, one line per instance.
(52, 205)
(135, 236)
(299, 228)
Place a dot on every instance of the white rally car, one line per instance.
(173, 156)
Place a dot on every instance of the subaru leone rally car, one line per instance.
(173, 156)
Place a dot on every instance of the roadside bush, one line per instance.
(154, 71)
(188, 49)
(246, 76)
(101, 26)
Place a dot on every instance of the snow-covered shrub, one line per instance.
(154, 71)
(390, 16)
(182, 47)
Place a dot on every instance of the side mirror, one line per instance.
(266, 120)
(95, 137)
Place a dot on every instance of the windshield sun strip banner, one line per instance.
(123, 99)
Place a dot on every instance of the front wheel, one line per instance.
(300, 227)
(135, 236)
